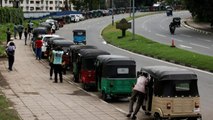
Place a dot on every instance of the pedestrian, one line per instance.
(53, 28)
(10, 50)
(57, 63)
(138, 94)
(8, 34)
(38, 45)
(30, 28)
(15, 30)
(25, 35)
(20, 30)
(51, 63)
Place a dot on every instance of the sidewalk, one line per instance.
(35, 97)
(197, 26)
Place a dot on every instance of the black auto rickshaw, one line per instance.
(36, 32)
(46, 25)
(115, 76)
(65, 44)
(169, 11)
(50, 44)
(73, 53)
(79, 36)
(172, 93)
(86, 66)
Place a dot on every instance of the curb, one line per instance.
(184, 23)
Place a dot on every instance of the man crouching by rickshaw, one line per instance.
(138, 94)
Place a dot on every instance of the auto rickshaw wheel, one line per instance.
(104, 96)
(157, 116)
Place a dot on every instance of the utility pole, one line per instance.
(130, 10)
(133, 20)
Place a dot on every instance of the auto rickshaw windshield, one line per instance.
(176, 88)
(119, 71)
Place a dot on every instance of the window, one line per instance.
(46, 8)
(31, 2)
(51, 8)
(31, 8)
(37, 2)
(42, 1)
(5, 1)
(51, 2)
(182, 87)
(27, 1)
(47, 2)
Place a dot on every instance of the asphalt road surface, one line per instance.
(156, 27)
(94, 27)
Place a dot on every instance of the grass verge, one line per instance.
(142, 45)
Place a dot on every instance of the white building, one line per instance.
(36, 5)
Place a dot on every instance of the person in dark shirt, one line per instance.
(8, 34)
(10, 54)
(25, 35)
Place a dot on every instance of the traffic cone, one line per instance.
(173, 43)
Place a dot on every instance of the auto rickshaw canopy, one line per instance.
(91, 53)
(162, 73)
(65, 44)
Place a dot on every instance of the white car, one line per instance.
(74, 18)
(81, 17)
(44, 40)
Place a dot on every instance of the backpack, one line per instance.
(10, 50)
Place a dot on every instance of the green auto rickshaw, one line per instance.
(115, 76)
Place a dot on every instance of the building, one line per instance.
(35, 5)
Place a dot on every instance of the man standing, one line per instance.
(138, 94)
(20, 30)
(38, 45)
(57, 63)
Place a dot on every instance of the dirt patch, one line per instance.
(3, 82)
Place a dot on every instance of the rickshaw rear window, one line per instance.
(88, 64)
(182, 87)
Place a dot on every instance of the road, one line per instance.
(156, 27)
(94, 27)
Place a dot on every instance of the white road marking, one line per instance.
(185, 35)
(160, 35)
(207, 40)
(199, 45)
(184, 46)
(178, 40)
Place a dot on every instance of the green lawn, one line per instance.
(5, 112)
(148, 47)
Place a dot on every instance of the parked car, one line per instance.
(74, 18)
(45, 38)
(81, 17)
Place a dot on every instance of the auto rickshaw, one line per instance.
(46, 25)
(169, 11)
(49, 44)
(73, 53)
(172, 93)
(65, 44)
(79, 36)
(86, 66)
(36, 32)
(115, 76)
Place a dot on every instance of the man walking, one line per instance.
(38, 45)
(138, 94)
(20, 30)
(8, 34)
(15, 30)
(10, 54)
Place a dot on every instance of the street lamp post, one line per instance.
(112, 13)
(133, 20)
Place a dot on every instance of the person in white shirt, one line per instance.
(138, 94)
(10, 50)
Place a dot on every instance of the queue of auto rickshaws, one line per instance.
(171, 93)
